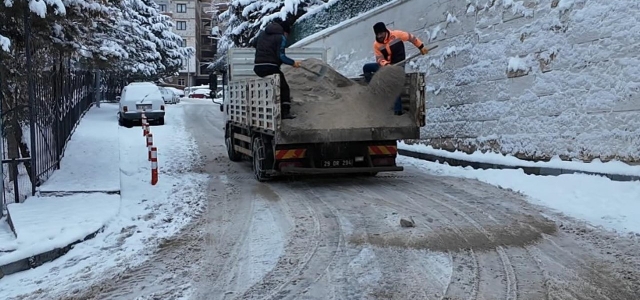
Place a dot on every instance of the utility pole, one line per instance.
(188, 75)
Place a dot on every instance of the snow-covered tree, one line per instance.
(127, 35)
(156, 51)
(245, 18)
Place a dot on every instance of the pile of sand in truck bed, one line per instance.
(336, 102)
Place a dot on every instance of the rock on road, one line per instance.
(340, 238)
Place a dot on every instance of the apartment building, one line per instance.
(194, 22)
(186, 17)
(210, 32)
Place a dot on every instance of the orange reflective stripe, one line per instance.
(383, 150)
(290, 154)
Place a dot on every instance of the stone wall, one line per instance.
(534, 78)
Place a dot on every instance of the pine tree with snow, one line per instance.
(245, 18)
(157, 49)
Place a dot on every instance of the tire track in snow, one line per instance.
(400, 262)
(464, 278)
(227, 228)
(541, 282)
(289, 277)
(375, 198)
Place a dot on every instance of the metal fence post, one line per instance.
(32, 100)
(3, 203)
(98, 88)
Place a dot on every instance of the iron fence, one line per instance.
(44, 92)
(33, 150)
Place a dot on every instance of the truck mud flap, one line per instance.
(298, 170)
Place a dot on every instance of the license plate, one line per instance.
(143, 106)
(337, 163)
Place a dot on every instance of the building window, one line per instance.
(181, 8)
(184, 42)
(163, 7)
(181, 81)
(181, 25)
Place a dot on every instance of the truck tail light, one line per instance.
(162, 107)
(125, 109)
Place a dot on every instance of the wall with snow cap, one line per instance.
(534, 78)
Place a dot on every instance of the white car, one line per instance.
(176, 91)
(169, 96)
(139, 97)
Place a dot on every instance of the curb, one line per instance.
(42, 258)
(542, 171)
(69, 193)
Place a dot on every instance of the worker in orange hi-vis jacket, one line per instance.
(389, 49)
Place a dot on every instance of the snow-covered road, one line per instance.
(339, 238)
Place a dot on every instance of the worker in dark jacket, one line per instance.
(389, 49)
(270, 55)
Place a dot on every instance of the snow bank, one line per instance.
(146, 215)
(597, 200)
(528, 78)
(46, 223)
(596, 166)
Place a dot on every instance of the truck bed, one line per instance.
(255, 103)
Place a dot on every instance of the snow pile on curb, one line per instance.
(46, 223)
(596, 166)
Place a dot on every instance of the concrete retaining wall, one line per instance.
(533, 78)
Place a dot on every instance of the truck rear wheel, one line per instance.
(231, 152)
(259, 152)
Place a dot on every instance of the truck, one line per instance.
(254, 130)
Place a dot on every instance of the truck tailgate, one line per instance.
(346, 135)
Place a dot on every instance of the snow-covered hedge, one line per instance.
(329, 14)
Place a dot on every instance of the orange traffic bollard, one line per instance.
(149, 143)
(154, 165)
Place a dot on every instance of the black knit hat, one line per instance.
(379, 28)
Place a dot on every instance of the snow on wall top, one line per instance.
(536, 78)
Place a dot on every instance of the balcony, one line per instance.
(207, 55)
(207, 47)
(205, 30)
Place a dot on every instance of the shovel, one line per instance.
(412, 57)
(320, 74)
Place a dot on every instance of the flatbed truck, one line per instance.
(254, 130)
